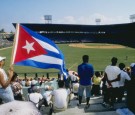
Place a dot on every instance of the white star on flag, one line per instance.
(29, 46)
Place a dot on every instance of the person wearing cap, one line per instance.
(37, 98)
(33, 83)
(6, 93)
(46, 94)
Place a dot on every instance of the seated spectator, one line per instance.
(74, 79)
(60, 98)
(46, 95)
(37, 98)
(27, 82)
(75, 88)
(23, 82)
(16, 87)
(33, 83)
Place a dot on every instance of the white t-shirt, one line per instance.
(112, 73)
(60, 97)
(35, 97)
(75, 87)
(73, 77)
(123, 76)
(47, 95)
(23, 83)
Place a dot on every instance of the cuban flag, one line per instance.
(32, 49)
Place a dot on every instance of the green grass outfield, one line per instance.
(99, 57)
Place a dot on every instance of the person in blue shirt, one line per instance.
(85, 73)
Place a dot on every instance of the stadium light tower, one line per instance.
(132, 18)
(48, 19)
(98, 20)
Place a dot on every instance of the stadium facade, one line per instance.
(123, 34)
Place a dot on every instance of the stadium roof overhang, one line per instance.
(114, 33)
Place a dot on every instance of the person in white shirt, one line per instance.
(112, 74)
(123, 76)
(6, 93)
(60, 98)
(46, 94)
(36, 97)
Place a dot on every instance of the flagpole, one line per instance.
(13, 49)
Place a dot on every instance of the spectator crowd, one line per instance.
(116, 84)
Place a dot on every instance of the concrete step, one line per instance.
(96, 108)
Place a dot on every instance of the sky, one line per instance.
(83, 12)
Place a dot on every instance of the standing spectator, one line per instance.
(96, 84)
(16, 87)
(6, 93)
(85, 72)
(112, 74)
(123, 76)
(130, 89)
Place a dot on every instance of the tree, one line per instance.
(2, 30)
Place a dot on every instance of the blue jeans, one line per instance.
(6, 94)
(87, 88)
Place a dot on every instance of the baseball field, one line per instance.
(100, 56)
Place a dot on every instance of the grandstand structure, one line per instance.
(123, 34)
(6, 39)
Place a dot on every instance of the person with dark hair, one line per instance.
(85, 73)
(6, 93)
(16, 87)
(96, 84)
(123, 77)
(60, 98)
(130, 89)
(112, 75)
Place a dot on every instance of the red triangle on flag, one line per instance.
(27, 46)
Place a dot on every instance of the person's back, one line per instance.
(130, 90)
(112, 72)
(35, 97)
(123, 75)
(112, 75)
(96, 84)
(60, 98)
(85, 73)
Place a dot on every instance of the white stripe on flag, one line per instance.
(47, 59)
(46, 46)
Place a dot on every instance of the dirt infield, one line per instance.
(102, 46)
